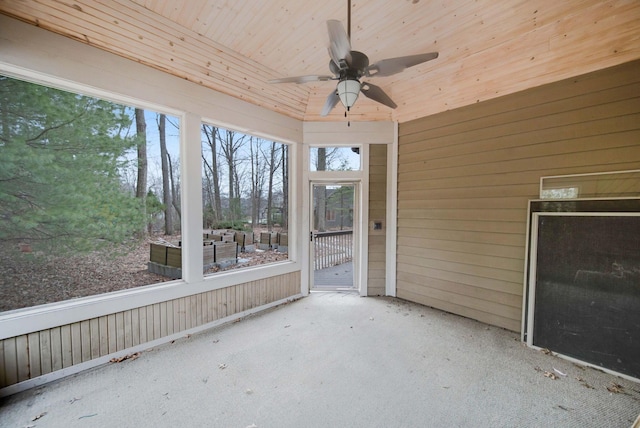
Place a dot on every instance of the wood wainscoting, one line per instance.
(29, 356)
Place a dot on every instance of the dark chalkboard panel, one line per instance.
(587, 288)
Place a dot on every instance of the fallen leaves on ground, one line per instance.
(35, 418)
(615, 388)
(584, 382)
(125, 357)
(546, 373)
(36, 278)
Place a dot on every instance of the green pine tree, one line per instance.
(59, 159)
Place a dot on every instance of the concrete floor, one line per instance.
(335, 360)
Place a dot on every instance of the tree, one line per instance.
(341, 201)
(231, 142)
(320, 192)
(153, 208)
(285, 187)
(166, 185)
(174, 170)
(211, 171)
(257, 179)
(273, 163)
(141, 133)
(60, 155)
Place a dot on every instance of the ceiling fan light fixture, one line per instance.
(348, 91)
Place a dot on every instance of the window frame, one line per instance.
(292, 220)
(25, 320)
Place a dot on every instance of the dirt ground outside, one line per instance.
(33, 278)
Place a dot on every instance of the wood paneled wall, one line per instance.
(377, 212)
(465, 176)
(41, 352)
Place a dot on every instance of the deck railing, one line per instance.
(332, 248)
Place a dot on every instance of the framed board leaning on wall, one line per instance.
(582, 288)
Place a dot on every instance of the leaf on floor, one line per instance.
(616, 388)
(35, 418)
(584, 382)
(125, 357)
(550, 375)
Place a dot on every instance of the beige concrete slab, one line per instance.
(336, 360)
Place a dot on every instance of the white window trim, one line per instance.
(27, 53)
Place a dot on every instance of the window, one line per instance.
(86, 185)
(245, 182)
(614, 184)
(334, 159)
(560, 193)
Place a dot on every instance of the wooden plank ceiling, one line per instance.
(487, 48)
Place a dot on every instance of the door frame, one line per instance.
(359, 178)
(357, 232)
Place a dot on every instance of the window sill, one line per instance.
(27, 320)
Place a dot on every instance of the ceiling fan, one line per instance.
(349, 66)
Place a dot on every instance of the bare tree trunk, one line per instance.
(141, 132)
(141, 182)
(321, 193)
(166, 186)
(175, 201)
(272, 170)
(211, 134)
(230, 154)
(257, 180)
(231, 144)
(254, 183)
(207, 191)
(285, 188)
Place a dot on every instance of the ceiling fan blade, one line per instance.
(388, 67)
(377, 94)
(302, 79)
(339, 44)
(331, 102)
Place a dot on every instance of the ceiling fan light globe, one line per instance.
(348, 91)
